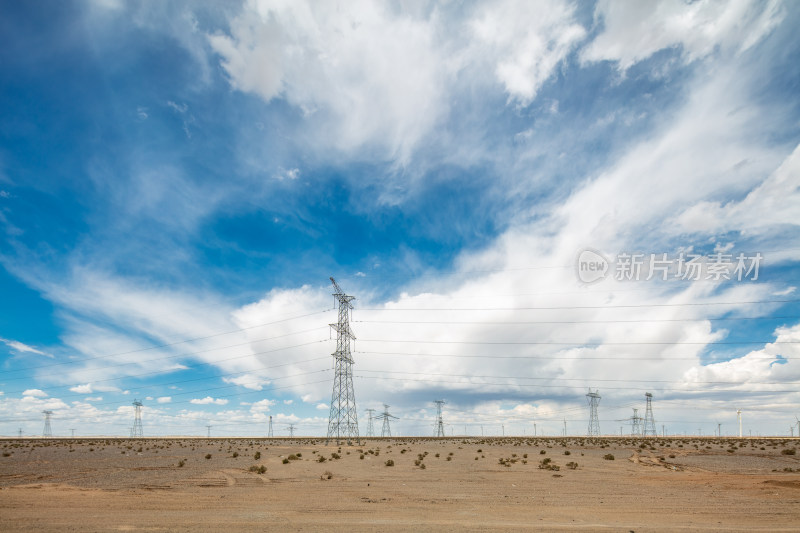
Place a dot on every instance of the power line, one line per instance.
(584, 343)
(529, 322)
(569, 307)
(73, 361)
(195, 365)
(561, 358)
(528, 385)
(168, 357)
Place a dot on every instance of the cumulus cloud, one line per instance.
(82, 389)
(35, 393)
(164, 399)
(368, 72)
(208, 400)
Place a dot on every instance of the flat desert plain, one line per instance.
(403, 484)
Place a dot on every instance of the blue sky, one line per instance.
(178, 181)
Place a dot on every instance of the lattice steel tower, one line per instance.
(636, 423)
(649, 421)
(136, 431)
(48, 432)
(343, 419)
(594, 422)
(269, 431)
(439, 421)
(370, 426)
(386, 431)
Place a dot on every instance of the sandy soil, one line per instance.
(465, 484)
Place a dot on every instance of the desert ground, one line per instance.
(401, 484)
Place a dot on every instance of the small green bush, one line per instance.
(390, 462)
(257, 456)
(285, 461)
(208, 456)
(608, 457)
(788, 451)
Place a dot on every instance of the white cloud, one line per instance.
(775, 202)
(370, 73)
(262, 406)
(209, 400)
(164, 399)
(82, 389)
(22, 347)
(322, 406)
(288, 402)
(527, 40)
(633, 31)
(35, 393)
(93, 399)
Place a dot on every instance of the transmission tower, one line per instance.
(636, 423)
(649, 421)
(439, 421)
(291, 430)
(47, 431)
(370, 426)
(343, 419)
(209, 431)
(594, 422)
(269, 432)
(386, 431)
(20, 432)
(137, 432)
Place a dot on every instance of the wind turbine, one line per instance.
(739, 416)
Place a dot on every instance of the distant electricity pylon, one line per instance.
(739, 416)
(439, 421)
(291, 430)
(136, 431)
(209, 431)
(636, 423)
(386, 431)
(343, 419)
(269, 432)
(594, 422)
(649, 421)
(370, 426)
(48, 432)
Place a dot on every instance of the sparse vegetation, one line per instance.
(389, 462)
(608, 457)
